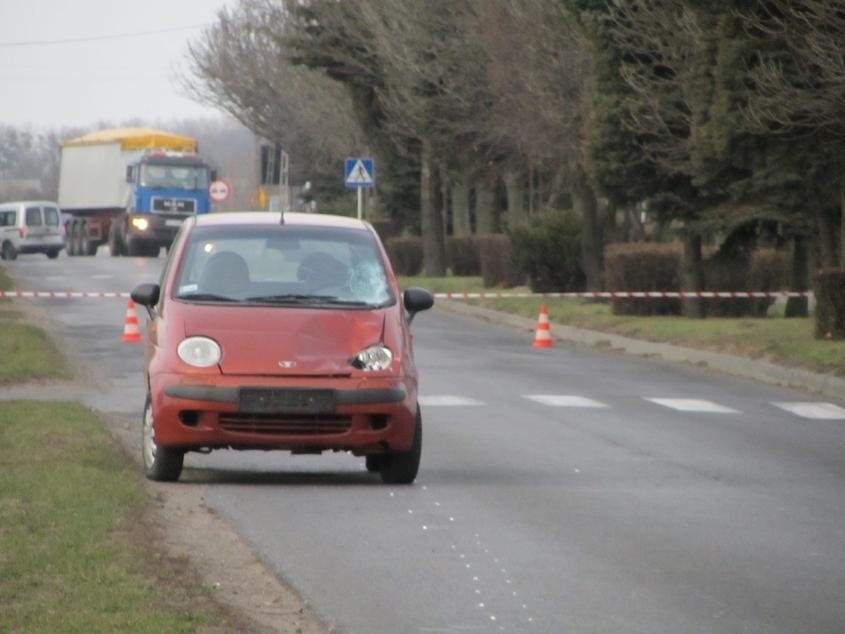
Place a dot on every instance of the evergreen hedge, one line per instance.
(548, 251)
(643, 266)
(498, 268)
(463, 256)
(406, 255)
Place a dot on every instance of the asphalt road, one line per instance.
(561, 490)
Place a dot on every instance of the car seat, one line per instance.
(225, 273)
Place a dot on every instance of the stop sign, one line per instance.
(220, 191)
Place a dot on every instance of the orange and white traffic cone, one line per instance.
(130, 324)
(543, 336)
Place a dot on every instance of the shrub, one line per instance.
(406, 255)
(829, 288)
(497, 266)
(463, 256)
(762, 270)
(548, 252)
(644, 266)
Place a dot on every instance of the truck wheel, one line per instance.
(115, 243)
(73, 238)
(8, 251)
(84, 241)
(133, 248)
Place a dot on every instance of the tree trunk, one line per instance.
(692, 279)
(799, 278)
(460, 207)
(592, 248)
(828, 255)
(842, 230)
(434, 250)
(485, 203)
(516, 198)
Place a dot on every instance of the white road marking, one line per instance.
(693, 405)
(564, 400)
(447, 401)
(819, 411)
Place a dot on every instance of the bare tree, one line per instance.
(241, 65)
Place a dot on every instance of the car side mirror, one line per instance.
(417, 300)
(146, 295)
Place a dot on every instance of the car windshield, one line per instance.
(283, 265)
(174, 176)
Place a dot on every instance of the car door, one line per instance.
(34, 220)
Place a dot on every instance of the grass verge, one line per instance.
(27, 353)
(75, 552)
(788, 342)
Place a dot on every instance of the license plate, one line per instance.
(255, 400)
(173, 223)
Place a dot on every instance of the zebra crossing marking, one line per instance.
(447, 400)
(693, 405)
(817, 410)
(564, 400)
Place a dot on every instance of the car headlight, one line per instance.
(377, 357)
(140, 223)
(200, 352)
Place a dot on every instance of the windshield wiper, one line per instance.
(207, 297)
(291, 298)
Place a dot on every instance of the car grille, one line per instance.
(282, 425)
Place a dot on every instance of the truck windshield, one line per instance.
(174, 176)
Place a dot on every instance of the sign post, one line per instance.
(359, 173)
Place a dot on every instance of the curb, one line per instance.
(762, 371)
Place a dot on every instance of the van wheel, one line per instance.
(8, 252)
(402, 468)
(53, 254)
(163, 464)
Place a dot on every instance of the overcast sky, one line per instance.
(122, 69)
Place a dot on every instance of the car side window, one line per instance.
(33, 217)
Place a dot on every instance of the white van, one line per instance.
(31, 226)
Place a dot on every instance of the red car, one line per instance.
(280, 331)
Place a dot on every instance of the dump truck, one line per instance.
(131, 188)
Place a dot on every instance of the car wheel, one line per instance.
(402, 468)
(53, 254)
(9, 252)
(163, 464)
(375, 463)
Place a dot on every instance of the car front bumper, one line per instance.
(364, 416)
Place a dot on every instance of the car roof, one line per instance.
(223, 218)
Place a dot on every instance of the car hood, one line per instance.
(286, 341)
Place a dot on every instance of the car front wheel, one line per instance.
(163, 464)
(402, 468)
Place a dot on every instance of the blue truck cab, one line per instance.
(164, 188)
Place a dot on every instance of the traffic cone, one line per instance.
(543, 336)
(130, 324)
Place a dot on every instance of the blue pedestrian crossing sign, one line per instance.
(359, 172)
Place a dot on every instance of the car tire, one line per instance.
(402, 468)
(374, 463)
(162, 464)
(53, 254)
(9, 252)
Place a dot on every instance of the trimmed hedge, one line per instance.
(497, 264)
(548, 251)
(829, 289)
(463, 256)
(644, 266)
(406, 255)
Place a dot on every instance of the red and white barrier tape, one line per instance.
(631, 295)
(503, 295)
(63, 294)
